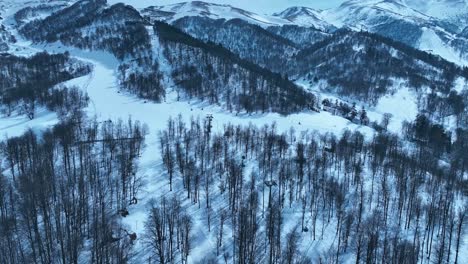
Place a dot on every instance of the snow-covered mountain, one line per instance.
(300, 16)
(252, 139)
(171, 13)
(304, 16)
(397, 20)
(401, 20)
(451, 10)
(357, 13)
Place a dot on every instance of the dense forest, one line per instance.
(302, 36)
(250, 42)
(28, 82)
(365, 67)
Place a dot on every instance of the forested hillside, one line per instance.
(237, 83)
(26, 83)
(96, 26)
(302, 36)
(365, 65)
(359, 65)
(204, 133)
(249, 41)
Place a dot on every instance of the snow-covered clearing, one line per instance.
(402, 104)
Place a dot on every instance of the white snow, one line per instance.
(431, 42)
(460, 84)
(359, 12)
(216, 11)
(402, 106)
(108, 103)
(304, 16)
(439, 8)
(17, 124)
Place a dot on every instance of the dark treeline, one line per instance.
(65, 20)
(63, 192)
(5, 38)
(211, 72)
(441, 107)
(347, 111)
(28, 82)
(379, 200)
(424, 132)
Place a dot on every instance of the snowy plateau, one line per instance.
(205, 133)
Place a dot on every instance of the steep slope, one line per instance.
(389, 18)
(5, 36)
(38, 11)
(358, 65)
(300, 25)
(91, 25)
(454, 11)
(268, 47)
(395, 19)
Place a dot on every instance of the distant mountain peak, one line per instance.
(298, 10)
(304, 16)
(171, 13)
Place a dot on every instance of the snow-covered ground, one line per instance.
(402, 105)
(432, 43)
(108, 102)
